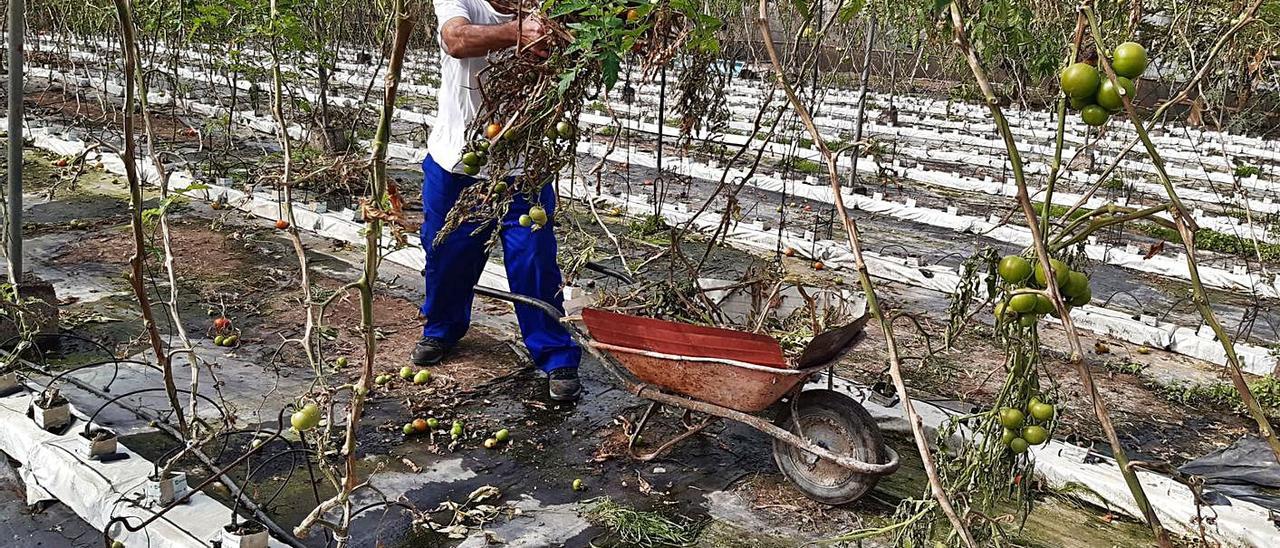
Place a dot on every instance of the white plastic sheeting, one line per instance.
(57, 468)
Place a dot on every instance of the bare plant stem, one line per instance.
(373, 241)
(1042, 255)
(128, 45)
(286, 147)
(1186, 227)
(166, 242)
(1055, 166)
(886, 324)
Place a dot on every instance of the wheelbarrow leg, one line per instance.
(690, 430)
(634, 434)
(688, 433)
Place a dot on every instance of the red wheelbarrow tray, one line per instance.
(742, 371)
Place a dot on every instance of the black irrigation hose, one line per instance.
(248, 478)
(142, 390)
(373, 505)
(227, 434)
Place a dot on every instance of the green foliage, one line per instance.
(1245, 170)
(801, 165)
(602, 34)
(1222, 394)
(640, 528)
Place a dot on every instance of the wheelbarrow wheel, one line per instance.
(838, 423)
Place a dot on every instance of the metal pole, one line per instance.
(13, 218)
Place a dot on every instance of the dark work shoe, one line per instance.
(429, 351)
(563, 384)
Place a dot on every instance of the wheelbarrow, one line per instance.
(824, 441)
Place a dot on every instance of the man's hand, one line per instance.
(532, 35)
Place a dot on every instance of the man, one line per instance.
(469, 30)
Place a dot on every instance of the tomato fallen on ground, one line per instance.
(282, 224)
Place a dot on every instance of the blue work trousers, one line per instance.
(455, 264)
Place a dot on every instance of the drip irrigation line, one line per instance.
(280, 533)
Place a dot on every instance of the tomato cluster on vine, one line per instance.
(1097, 97)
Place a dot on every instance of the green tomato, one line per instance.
(1094, 115)
(433, 423)
(1079, 103)
(564, 129)
(1060, 272)
(1011, 418)
(490, 443)
(219, 340)
(306, 418)
(1129, 59)
(1076, 284)
(502, 435)
(1035, 435)
(471, 171)
(342, 361)
(1109, 94)
(1022, 303)
(1028, 320)
(526, 221)
(538, 215)
(1041, 411)
(1044, 305)
(1083, 298)
(499, 187)
(408, 428)
(1018, 446)
(1007, 436)
(471, 159)
(1014, 269)
(578, 485)
(422, 377)
(406, 372)
(1080, 80)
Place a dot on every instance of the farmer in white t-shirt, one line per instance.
(469, 30)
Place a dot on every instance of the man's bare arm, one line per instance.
(462, 39)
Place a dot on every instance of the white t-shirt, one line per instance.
(459, 96)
